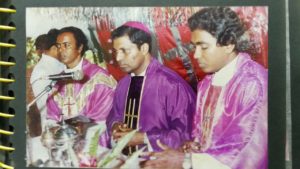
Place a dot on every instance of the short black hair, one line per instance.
(135, 35)
(53, 33)
(44, 42)
(79, 37)
(222, 23)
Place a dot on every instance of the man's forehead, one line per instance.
(199, 36)
(66, 36)
(123, 42)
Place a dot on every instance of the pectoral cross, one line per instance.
(207, 117)
(69, 104)
(206, 125)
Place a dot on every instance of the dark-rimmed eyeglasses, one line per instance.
(65, 45)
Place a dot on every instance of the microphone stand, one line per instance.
(46, 90)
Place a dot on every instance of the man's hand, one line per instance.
(167, 159)
(137, 139)
(190, 146)
(120, 129)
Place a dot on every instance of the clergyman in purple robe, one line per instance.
(91, 97)
(230, 124)
(151, 98)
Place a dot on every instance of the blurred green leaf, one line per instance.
(94, 144)
(117, 149)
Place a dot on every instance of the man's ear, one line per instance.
(80, 48)
(145, 48)
(53, 47)
(229, 48)
(39, 52)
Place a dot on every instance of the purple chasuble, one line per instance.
(166, 108)
(238, 134)
(91, 97)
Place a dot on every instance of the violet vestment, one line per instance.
(90, 97)
(237, 136)
(166, 107)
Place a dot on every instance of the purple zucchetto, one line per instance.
(137, 25)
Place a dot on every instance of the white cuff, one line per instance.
(206, 161)
(147, 142)
(187, 162)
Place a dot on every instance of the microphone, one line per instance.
(77, 75)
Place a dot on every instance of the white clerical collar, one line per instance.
(140, 74)
(77, 67)
(222, 77)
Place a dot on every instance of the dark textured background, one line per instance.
(295, 79)
(5, 36)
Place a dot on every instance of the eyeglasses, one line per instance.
(65, 45)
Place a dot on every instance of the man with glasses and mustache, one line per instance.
(230, 124)
(151, 98)
(90, 97)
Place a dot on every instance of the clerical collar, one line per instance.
(141, 74)
(222, 77)
(77, 67)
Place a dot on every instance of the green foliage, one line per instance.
(94, 144)
(117, 149)
(31, 55)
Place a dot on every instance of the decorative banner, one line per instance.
(169, 26)
(171, 35)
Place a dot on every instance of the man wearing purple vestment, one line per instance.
(151, 98)
(91, 96)
(230, 124)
